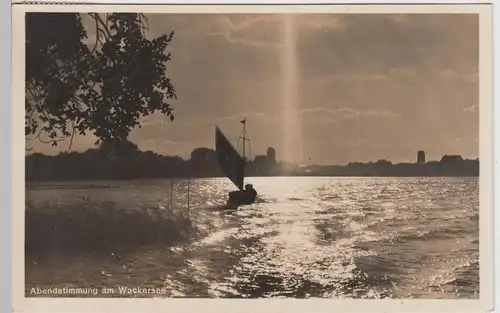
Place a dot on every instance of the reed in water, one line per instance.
(102, 227)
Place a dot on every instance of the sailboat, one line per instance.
(233, 166)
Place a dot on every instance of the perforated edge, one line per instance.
(48, 2)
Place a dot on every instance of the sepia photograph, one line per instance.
(253, 154)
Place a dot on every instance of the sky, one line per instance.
(320, 89)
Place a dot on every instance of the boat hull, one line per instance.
(239, 198)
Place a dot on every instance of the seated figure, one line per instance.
(242, 197)
(252, 193)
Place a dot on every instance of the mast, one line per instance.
(244, 138)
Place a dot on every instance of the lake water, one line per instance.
(306, 237)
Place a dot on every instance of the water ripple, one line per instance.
(306, 237)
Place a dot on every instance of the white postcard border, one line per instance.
(485, 303)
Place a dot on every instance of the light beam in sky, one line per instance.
(291, 123)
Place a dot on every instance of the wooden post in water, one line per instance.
(188, 196)
(170, 201)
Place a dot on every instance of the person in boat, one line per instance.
(252, 193)
(243, 197)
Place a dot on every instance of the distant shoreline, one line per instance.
(68, 180)
(95, 165)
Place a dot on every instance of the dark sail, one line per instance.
(230, 161)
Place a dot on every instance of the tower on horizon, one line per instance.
(271, 155)
(421, 156)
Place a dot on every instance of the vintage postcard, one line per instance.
(176, 155)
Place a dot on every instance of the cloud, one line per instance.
(365, 143)
(390, 79)
(151, 122)
(325, 22)
(452, 75)
(266, 31)
(241, 116)
(165, 146)
(347, 113)
(253, 31)
(472, 109)
(374, 43)
(174, 143)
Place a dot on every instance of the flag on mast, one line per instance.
(243, 121)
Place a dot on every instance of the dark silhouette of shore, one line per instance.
(125, 161)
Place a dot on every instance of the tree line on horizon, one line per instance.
(123, 160)
(116, 159)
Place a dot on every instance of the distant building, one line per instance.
(421, 156)
(260, 159)
(264, 164)
(271, 155)
(451, 158)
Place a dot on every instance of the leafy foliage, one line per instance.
(103, 87)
